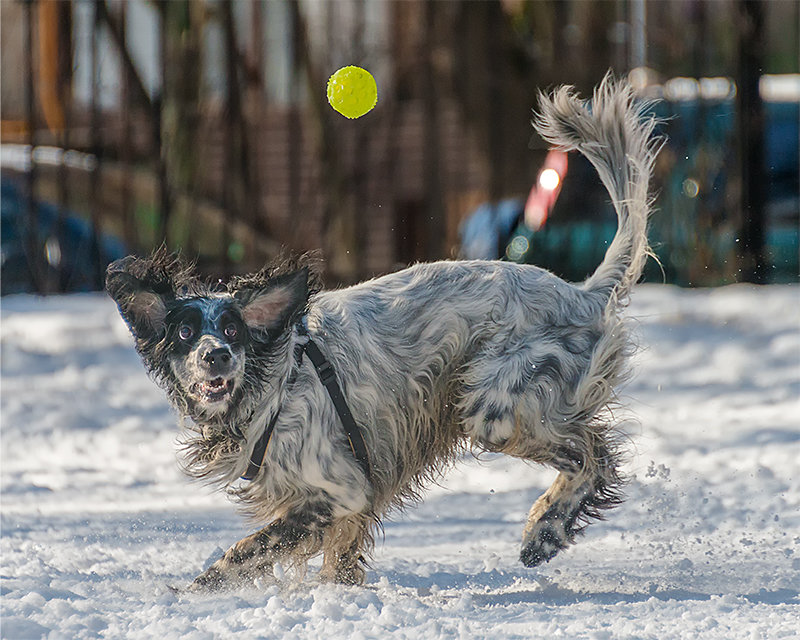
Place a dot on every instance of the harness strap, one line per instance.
(260, 450)
(327, 376)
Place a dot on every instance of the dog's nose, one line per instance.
(217, 357)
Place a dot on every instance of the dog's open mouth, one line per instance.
(214, 390)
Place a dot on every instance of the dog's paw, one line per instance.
(212, 579)
(351, 575)
(192, 588)
(221, 578)
(541, 544)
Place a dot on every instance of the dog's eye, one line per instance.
(231, 331)
(185, 332)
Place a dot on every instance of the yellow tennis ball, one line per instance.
(352, 91)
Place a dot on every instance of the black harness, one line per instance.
(327, 376)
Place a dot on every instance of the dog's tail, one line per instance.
(618, 140)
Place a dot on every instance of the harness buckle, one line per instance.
(326, 373)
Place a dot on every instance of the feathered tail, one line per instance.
(618, 140)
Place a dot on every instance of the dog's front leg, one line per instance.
(345, 544)
(255, 555)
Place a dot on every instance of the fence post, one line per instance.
(32, 243)
(96, 261)
(752, 44)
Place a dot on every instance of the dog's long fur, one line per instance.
(432, 359)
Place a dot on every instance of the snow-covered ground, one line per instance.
(97, 519)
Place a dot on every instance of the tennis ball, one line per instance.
(352, 91)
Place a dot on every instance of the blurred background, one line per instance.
(204, 125)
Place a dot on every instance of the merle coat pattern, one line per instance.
(432, 359)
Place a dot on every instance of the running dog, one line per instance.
(320, 411)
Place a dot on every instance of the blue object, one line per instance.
(70, 254)
(486, 231)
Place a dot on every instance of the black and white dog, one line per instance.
(339, 405)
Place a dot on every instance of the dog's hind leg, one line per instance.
(344, 544)
(585, 486)
(254, 556)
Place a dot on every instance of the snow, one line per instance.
(97, 519)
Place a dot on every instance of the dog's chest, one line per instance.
(307, 456)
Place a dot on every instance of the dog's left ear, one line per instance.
(271, 307)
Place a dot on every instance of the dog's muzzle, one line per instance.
(216, 373)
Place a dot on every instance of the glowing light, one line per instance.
(52, 251)
(549, 179)
(690, 188)
(517, 248)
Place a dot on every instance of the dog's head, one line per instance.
(208, 345)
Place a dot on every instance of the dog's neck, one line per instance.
(254, 420)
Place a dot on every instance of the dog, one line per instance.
(410, 370)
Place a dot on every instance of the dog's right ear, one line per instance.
(141, 302)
